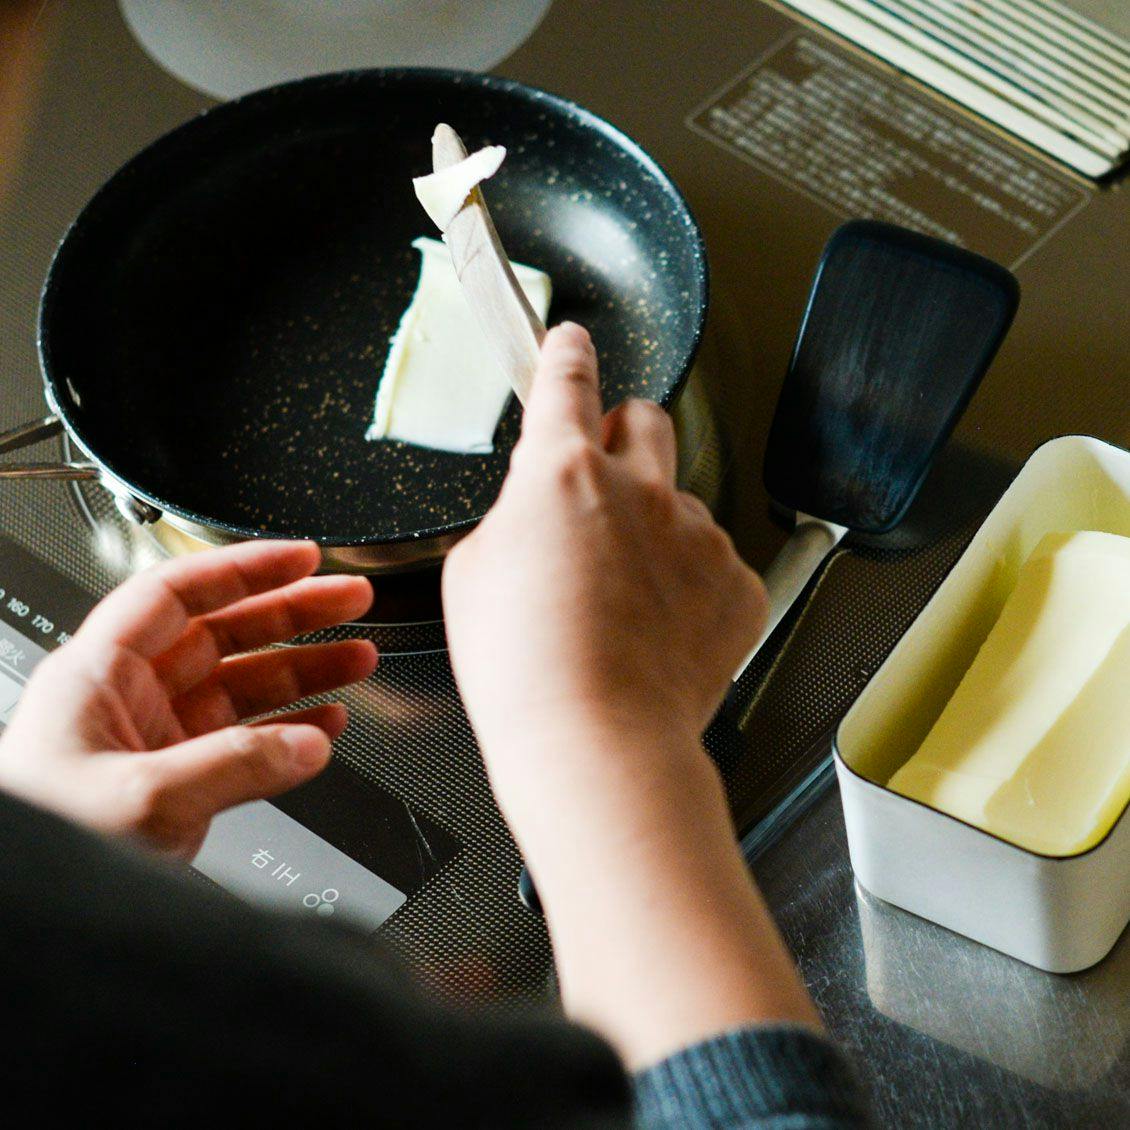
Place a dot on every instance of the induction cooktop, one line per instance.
(777, 130)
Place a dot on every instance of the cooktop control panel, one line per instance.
(39, 610)
(337, 845)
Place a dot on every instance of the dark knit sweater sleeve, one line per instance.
(772, 1077)
(136, 997)
(140, 996)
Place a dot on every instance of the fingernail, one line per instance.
(580, 338)
(309, 748)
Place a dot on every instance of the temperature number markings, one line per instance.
(37, 621)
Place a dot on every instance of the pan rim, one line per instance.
(568, 108)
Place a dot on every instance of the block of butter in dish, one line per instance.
(1034, 746)
(985, 769)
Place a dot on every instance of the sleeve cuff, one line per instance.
(779, 1076)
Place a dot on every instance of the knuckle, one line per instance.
(571, 364)
(254, 748)
(725, 544)
(144, 800)
(149, 807)
(153, 586)
(756, 603)
(577, 461)
(658, 498)
(718, 543)
(212, 636)
(269, 756)
(111, 666)
(759, 594)
(254, 754)
(613, 421)
(649, 414)
(695, 507)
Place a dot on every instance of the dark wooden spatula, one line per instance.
(898, 332)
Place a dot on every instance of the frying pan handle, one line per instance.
(797, 563)
(34, 432)
(31, 433)
(66, 471)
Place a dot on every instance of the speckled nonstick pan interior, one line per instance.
(215, 322)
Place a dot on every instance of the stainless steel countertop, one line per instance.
(946, 1032)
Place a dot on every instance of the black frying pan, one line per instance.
(215, 321)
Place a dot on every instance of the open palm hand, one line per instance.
(136, 726)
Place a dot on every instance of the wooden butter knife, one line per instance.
(511, 326)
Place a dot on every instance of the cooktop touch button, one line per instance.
(261, 854)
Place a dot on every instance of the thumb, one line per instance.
(193, 781)
(565, 398)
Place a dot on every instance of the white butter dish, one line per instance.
(1061, 914)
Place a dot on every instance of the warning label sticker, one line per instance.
(866, 145)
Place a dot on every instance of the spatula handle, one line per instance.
(797, 563)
